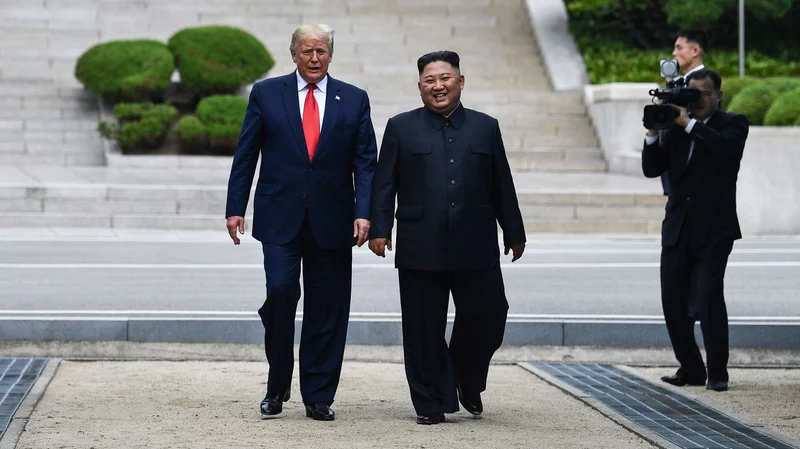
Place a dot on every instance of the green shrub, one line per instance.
(126, 70)
(754, 101)
(217, 124)
(797, 122)
(785, 110)
(227, 109)
(141, 125)
(191, 133)
(223, 136)
(218, 59)
(732, 86)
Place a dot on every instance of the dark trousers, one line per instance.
(433, 369)
(692, 275)
(327, 280)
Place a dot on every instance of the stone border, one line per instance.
(384, 330)
(19, 420)
(560, 55)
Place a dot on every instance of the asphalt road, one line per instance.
(572, 275)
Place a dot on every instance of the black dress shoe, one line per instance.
(273, 405)
(471, 401)
(679, 381)
(717, 385)
(431, 419)
(320, 412)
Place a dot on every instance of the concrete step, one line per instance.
(186, 206)
(556, 160)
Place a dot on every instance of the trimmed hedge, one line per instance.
(785, 110)
(217, 123)
(126, 70)
(191, 133)
(144, 125)
(754, 101)
(614, 64)
(732, 86)
(218, 59)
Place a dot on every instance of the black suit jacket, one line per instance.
(453, 184)
(705, 187)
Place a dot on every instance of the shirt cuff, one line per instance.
(689, 127)
(649, 140)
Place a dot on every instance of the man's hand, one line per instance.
(379, 246)
(361, 229)
(682, 119)
(233, 224)
(517, 249)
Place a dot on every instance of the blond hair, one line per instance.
(312, 31)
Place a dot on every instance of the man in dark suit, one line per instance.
(312, 203)
(690, 47)
(701, 155)
(447, 166)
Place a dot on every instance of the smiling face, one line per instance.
(440, 86)
(312, 57)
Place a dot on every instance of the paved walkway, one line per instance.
(175, 404)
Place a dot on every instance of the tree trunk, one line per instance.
(626, 17)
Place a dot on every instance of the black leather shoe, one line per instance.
(430, 419)
(471, 402)
(273, 405)
(717, 385)
(320, 412)
(680, 381)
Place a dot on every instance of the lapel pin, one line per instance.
(337, 97)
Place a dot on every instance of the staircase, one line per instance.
(47, 122)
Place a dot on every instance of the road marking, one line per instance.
(358, 316)
(187, 266)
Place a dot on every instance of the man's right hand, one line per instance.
(379, 246)
(235, 223)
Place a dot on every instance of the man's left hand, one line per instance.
(517, 249)
(682, 119)
(361, 230)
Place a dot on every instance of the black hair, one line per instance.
(698, 37)
(447, 56)
(705, 74)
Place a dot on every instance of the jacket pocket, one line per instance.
(420, 148)
(480, 149)
(408, 213)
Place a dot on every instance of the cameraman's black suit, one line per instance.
(697, 235)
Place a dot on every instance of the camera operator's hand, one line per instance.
(682, 119)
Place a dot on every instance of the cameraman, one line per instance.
(690, 47)
(701, 155)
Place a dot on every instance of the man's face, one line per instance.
(709, 99)
(312, 57)
(686, 53)
(440, 87)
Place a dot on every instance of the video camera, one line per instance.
(662, 116)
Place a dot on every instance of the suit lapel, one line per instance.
(292, 105)
(332, 104)
(683, 153)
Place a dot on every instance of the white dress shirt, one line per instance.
(319, 95)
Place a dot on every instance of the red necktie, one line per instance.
(311, 121)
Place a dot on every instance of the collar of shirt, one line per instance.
(701, 66)
(456, 119)
(322, 85)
